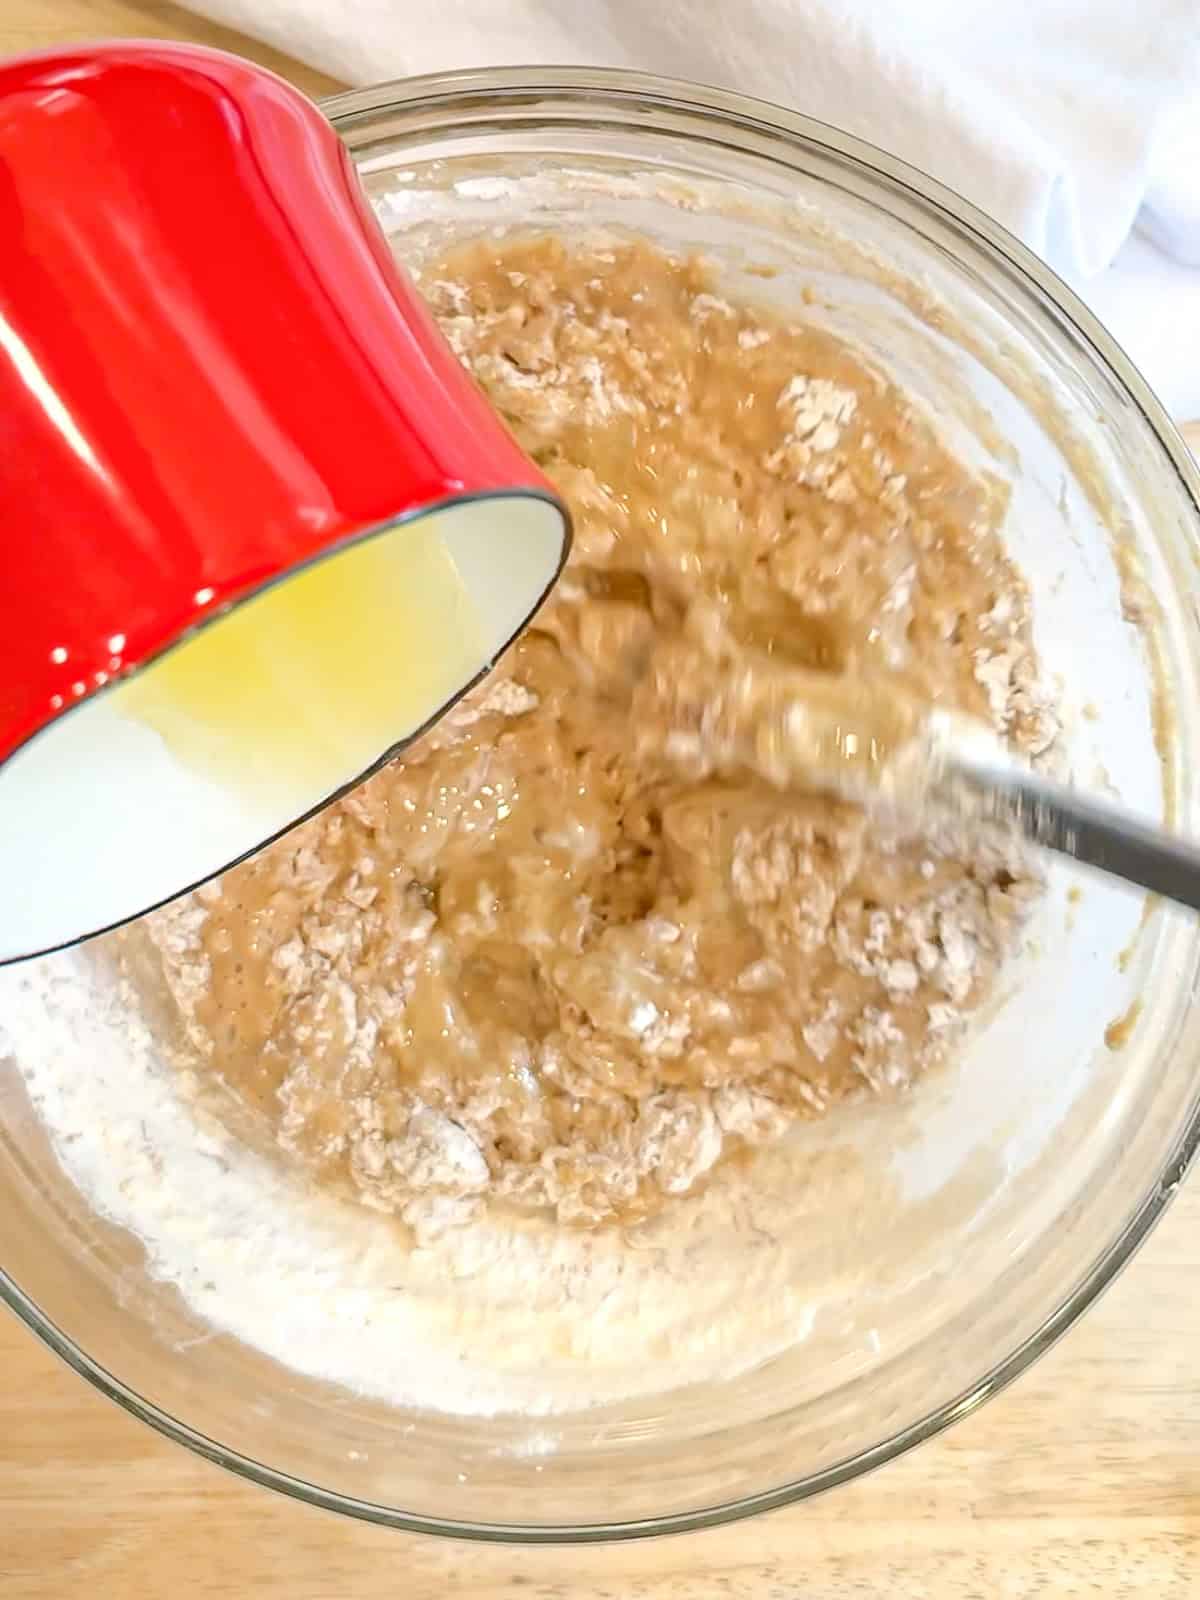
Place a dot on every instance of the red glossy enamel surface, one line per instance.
(210, 368)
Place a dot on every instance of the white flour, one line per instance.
(500, 1316)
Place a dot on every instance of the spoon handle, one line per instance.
(1101, 836)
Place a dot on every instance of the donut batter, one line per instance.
(553, 958)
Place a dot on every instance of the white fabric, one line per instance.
(1069, 121)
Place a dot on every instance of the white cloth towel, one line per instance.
(1075, 123)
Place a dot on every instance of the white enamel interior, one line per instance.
(99, 818)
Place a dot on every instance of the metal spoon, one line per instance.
(870, 742)
(1100, 835)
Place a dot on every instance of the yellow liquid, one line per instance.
(296, 692)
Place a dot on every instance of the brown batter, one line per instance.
(554, 957)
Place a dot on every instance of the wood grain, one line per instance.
(1082, 1480)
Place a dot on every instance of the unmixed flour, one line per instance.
(507, 1315)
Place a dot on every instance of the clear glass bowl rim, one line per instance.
(614, 89)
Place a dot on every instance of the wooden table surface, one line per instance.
(1082, 1480)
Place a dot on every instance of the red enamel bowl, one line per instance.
(213, 378)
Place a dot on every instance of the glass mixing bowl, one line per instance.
(935, 1247)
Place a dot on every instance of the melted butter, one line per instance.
(298, 690)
